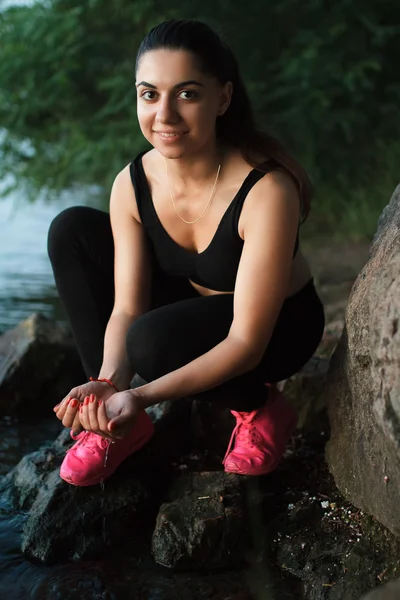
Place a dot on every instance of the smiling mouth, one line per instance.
(170, 134)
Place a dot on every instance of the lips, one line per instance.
(170, 133)
(170, 137)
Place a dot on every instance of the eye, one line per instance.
(148, 95)
(187, 95)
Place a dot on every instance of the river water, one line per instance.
(26, 279)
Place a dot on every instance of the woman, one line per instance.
(213, 298)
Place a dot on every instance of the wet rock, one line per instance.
(327, 578)
(202, 526)
(324, 558)
(363, 388)
(22, 484)
(390, 591)
(38, 365)
(66, 522)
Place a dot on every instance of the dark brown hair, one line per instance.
(237, 126)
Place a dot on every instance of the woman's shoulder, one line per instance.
(273, 191)
(123, 193)
(272, 175)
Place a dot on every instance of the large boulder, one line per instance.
(39, 364)
(363, 387)
(390, 591)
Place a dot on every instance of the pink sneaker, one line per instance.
(260, 437)
(93, 458)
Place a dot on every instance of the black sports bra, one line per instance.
(214, 268)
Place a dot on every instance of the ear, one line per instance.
(225, 99)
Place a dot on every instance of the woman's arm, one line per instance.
(132, 275)
(270, 226)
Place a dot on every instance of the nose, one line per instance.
(166, 111)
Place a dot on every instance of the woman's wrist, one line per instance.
(120, 378)
(141, 399)
(109, 382)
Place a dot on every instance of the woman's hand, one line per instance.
(112, 419)
(68, 409)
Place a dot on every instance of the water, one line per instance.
(26, 278)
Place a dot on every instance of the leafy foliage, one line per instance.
(322, 76)
(67, 89)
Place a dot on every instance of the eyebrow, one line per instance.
(178, 85)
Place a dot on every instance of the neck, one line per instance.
(194, 169)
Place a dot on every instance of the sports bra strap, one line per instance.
(140, 185)
(252, 178)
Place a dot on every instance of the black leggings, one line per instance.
(181, 324)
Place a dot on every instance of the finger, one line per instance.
(92, 413)
(60, 413)
(62, 407)
(83, 414)
(74, 393)
(63, 401)
(106, 436)
(70, 412)
(102, 418)
(76, 425)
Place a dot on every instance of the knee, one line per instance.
(64, 228)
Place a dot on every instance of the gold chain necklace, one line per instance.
(209, 202)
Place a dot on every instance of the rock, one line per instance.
(390, 591)
(363, 388)
(321, 555)
(202, 525)
(66, 522)
(38, 365)
(22, 484)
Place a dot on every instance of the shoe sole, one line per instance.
(289, 432)
(94, 481)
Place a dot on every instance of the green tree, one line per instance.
(67, 95)
(321, 76)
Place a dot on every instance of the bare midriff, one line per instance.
(299, 276)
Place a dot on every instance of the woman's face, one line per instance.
(177, 105)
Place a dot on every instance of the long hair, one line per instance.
(237, 126)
